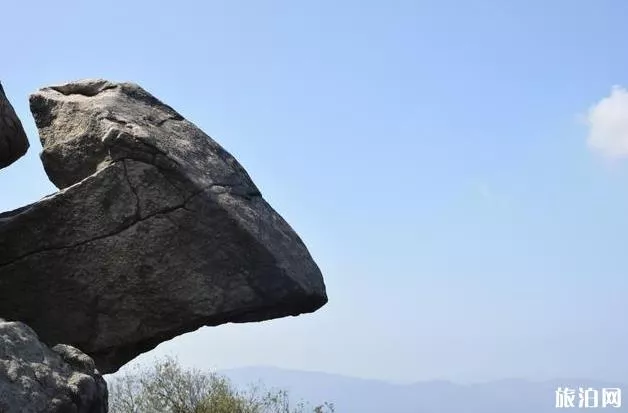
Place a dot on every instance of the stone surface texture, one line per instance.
(156, 231)
(37, 379)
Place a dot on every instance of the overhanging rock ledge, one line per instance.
(156, 231)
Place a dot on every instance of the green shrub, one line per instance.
(168, 388)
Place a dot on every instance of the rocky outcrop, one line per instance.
(37, 379)
(156, 231)
(13, 141)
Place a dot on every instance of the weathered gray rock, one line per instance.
(34, 378)
(156, 231)
(13, 141)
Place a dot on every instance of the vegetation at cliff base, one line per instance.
(166, 387)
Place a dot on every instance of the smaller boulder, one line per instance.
(37, 379)
(13, 140)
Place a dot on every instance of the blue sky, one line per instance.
(440, 159)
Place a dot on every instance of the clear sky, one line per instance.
(455, 167)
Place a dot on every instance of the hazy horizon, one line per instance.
(456, 169)
(350, 394)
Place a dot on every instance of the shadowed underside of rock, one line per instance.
(156, 231)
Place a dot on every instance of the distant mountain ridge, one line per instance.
(356, 395)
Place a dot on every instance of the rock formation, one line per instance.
(13, 141)
(156, 231)
(36, 379)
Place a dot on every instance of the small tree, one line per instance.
(168, 388)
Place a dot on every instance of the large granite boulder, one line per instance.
(156, 231)
(13, 141)
(37, 379)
